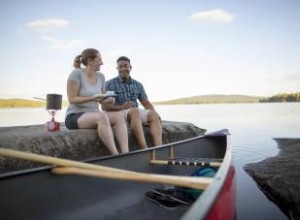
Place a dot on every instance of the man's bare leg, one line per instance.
(155, 128)
(136, 126)
(120, 129)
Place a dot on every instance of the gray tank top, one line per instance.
(86, 89)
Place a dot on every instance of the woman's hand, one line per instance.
(99, 99)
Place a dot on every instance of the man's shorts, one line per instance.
(143, 112)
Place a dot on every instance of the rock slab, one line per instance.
(279, 177)
(82, 144)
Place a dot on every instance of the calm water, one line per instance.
(252, 127)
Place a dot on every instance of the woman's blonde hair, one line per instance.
(87, 54)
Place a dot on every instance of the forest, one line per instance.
(283, 97)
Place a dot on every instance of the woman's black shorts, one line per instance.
(71, 120)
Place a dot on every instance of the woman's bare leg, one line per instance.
(117, 120)
(100, 121)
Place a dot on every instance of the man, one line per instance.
(128, 92)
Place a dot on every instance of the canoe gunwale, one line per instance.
(205, 201)
(103, 158)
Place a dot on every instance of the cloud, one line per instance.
(217, 16)
(65, 45)
(294, 77)
(43, 26)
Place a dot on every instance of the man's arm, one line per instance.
(111, 107)
(147, 104)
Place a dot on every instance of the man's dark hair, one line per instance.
(123, 58)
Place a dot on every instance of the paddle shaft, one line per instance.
(74, 167)
(190, 182)
(56, 161)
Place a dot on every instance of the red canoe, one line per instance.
(129, 191)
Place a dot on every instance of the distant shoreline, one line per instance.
(233, 99)
(23, 103)
(195, 100)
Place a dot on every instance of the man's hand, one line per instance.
(103, 100)
(127, 105)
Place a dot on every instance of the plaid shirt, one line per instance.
(126, 91)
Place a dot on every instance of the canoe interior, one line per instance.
(38, 194)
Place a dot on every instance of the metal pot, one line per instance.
(54, 101)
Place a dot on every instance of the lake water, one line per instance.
(252, 127)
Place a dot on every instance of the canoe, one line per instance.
(122, 191)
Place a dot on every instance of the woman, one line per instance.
(83, 110)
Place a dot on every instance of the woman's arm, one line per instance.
(72, 92)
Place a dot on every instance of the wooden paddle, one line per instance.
(190, 182)
(55, 161)
(79, 168)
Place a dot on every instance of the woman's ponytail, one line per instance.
(77, 61)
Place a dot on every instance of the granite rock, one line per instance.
(279, 177)
(79, 145)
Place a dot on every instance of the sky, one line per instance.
(178, 48)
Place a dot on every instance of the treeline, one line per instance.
(20, 103)
(212, 99)
(283, 97)
(24, 103)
